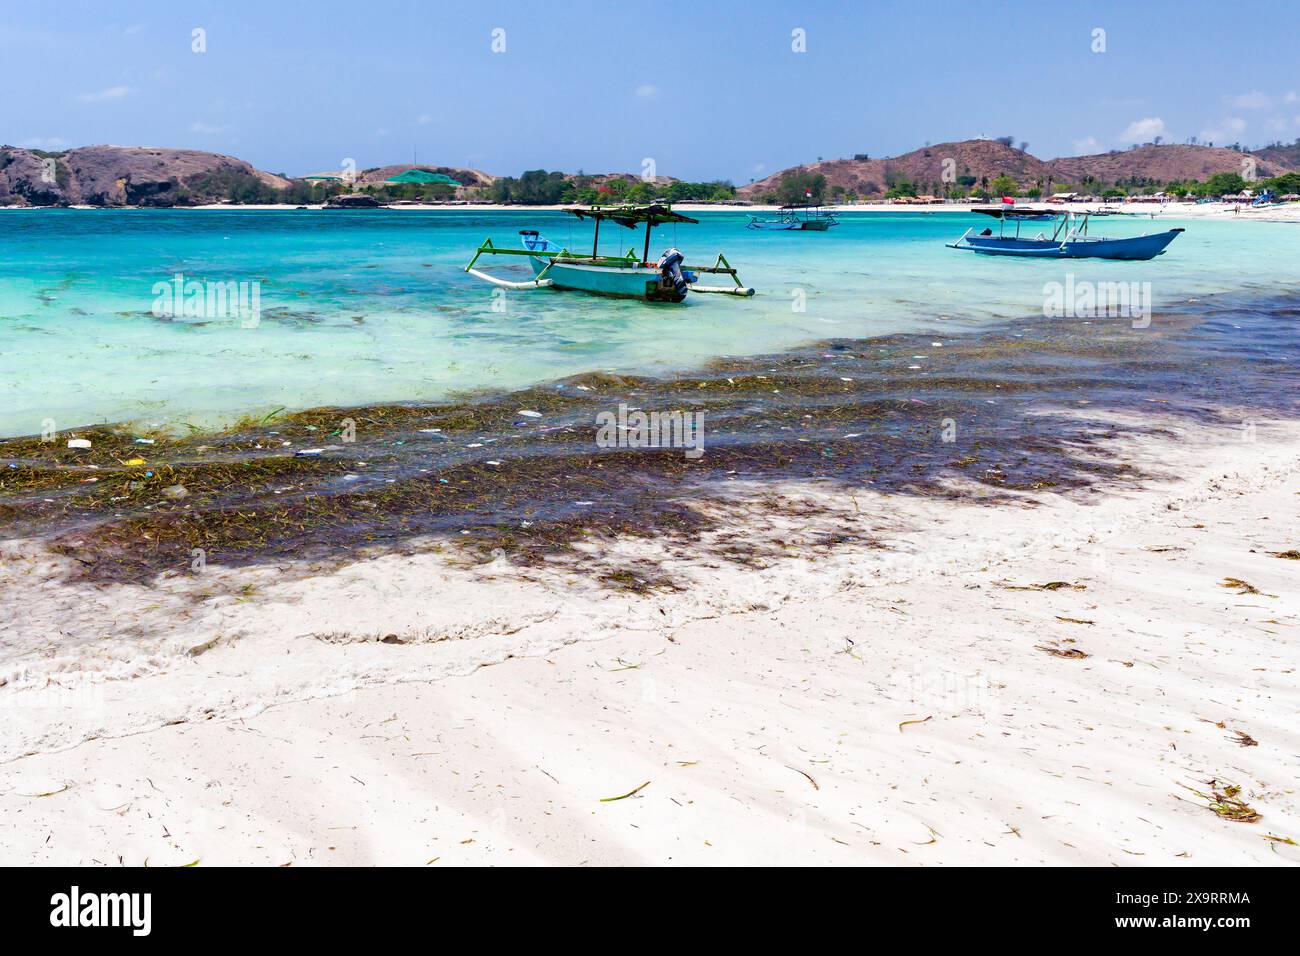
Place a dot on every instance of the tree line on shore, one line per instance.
(535, 187)
(538, 187)
(803, 186)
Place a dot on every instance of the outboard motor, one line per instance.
(670, 267)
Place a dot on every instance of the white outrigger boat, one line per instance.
(797, 217)
(627, 276)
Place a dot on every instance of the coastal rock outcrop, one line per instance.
(32, 178)
(123, 176)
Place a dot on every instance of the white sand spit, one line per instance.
(897, 706)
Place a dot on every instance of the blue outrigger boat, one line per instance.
(627, 276)
(1069, 240)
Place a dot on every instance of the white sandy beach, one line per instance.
(1174, 210)
(361, 518)
(892, 706)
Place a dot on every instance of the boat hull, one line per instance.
(621, 282)
(812, 225)
(1132, 248)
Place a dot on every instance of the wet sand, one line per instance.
(1026, 406)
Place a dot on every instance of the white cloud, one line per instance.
(647, 90)
(132, 29)
(207, 129)
(106, 95)
(1221, 133)
(1087, 145)
(1143, 130)
(1254, 100)
(1291, 97)
(425, 119)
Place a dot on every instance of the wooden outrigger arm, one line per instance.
(538, 282)
(721, 267)
(564, 257)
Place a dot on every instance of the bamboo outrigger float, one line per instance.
(668, 279)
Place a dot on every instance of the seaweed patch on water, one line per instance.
(992, 416)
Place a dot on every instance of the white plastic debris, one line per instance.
(78, 442)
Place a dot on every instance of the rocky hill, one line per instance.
(1161, 164)
(1281, 155)
(148, 176)
(471, 178)
(32, 178)
(984, 160)
(980, 158)
(124, 176)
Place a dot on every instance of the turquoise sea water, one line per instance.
(366, 307)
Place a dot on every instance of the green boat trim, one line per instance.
(625, 276)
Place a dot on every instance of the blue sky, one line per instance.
(706, 90)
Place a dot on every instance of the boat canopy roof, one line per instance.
(655, 214)
(997, 212)
(802, 205)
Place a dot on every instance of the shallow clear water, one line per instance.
(373, 306)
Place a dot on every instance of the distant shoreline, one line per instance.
(1173, 210)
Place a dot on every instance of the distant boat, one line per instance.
(668, 279)
(353, 201)
(1069, 240)
(797, 217)
(1112, 211)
